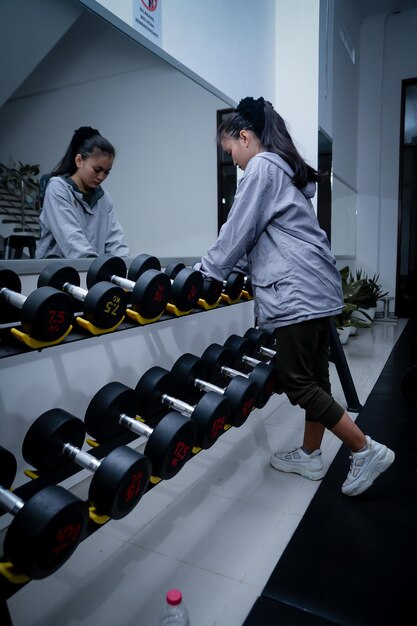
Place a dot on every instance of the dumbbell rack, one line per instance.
(10, 582)
(69, 469)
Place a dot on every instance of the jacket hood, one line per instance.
(309, 191)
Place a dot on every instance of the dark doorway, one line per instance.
(406, 287)
(324, 188)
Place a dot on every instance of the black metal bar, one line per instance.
(338, 357)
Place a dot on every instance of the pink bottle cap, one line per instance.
(174, 597)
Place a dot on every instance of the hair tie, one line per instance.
(253, 111)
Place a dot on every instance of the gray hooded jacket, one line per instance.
(273, 224)
(71, 228)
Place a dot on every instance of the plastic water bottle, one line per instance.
(174, 613)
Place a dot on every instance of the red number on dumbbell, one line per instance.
(180, 452)
(160, 294)
(248, 406)
(66, 537)
(218, 426)
(135, 486)
(192, 293)
(56, 320)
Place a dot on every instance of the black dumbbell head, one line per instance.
(173, 269)
(141, 264)
(242, 394)
(217, 356)
(212, 290)
(211, 414)
(119, 482)
(155, 382)
(102, 414)
(105, 305)
(44, 441)
(56, 274)
(47, 314)
(103, 268)
(238, 346)
(8, 468)
(257, 339)
(266, 378)
(186, 369)
(171, 444)
(46, 531)
(186, 289)
(151, 294)
(234, 285)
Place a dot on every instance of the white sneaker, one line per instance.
(366, 466)
(298, 462)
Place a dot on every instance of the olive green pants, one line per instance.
(302, 363)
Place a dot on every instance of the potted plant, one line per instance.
(367, 297)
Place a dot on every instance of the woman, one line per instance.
(296, 285)
(77, 217)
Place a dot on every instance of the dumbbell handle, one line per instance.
(10, 502)
(206, 386)
(178, 405)
(77, 292)
(13, 297)
(86, 460)
(125, 283)
(250, 360)
(139, 428)
(267, 352)
(231, 372)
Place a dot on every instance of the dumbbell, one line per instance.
(191, 372)
(210, 414)
(260, 341)
(104, 305)
(233, 285)
(241, 349)
(186, 286)
(149, 288)
(119, 479)
(46, 314)
(211, 290)
(222, 361)
(113, 409)
(45, 530)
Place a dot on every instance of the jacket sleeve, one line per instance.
(246, 221)
(61, 214)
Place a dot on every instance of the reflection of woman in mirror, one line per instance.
(77, 217)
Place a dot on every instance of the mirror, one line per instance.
(81, 70)
(344, 217)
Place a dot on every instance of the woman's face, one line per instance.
(241, 148)
(93, 170)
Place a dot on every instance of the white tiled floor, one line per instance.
(216, 530)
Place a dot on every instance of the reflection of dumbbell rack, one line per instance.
(45, 315)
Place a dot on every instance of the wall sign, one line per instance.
(147, 19)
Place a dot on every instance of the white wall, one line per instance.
(297, 49)
(164, 179)
(229, 44)
(389, 53)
